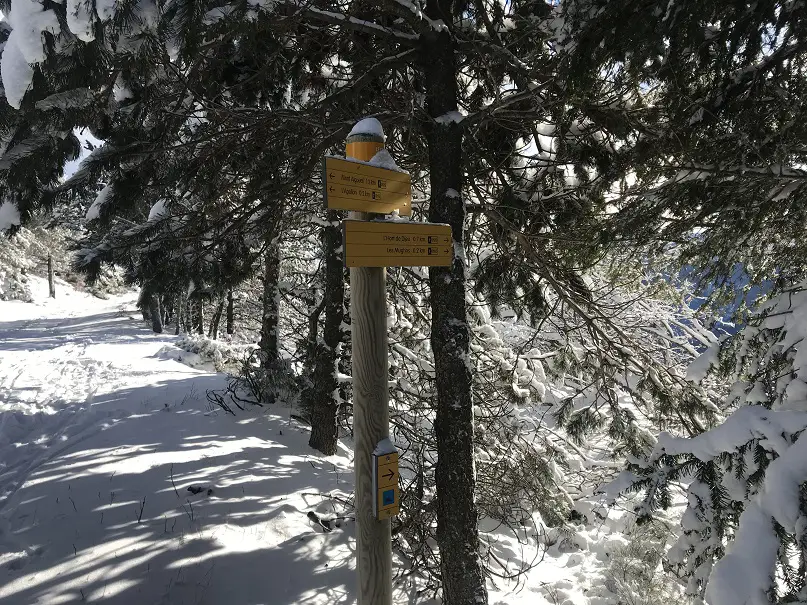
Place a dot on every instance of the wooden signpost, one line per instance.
(369, 247)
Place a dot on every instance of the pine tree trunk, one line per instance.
(178, 314)
(271, 306)
(324, 405)
(230, 314)
(214, 324)
(457, 532)
(187, 316)
(143, 304)
(156, 316)
(200, 317)
(51, 283)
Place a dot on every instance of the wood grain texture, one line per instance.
(368, 312)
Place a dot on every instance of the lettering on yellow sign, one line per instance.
(358, 186)
(362, 180)
(397, 244)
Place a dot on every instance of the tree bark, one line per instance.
(200, 317)
(178, 314)
(214, 324)
(156, 316)
(457, 517)
(323, 405)
(143, 303)
(187, 315)
(230, 313)
(51, 283)
(271, 306)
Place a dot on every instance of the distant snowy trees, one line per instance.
(713, 99)
(718, 173)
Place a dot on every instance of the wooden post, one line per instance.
(368, 317)
(51, 283)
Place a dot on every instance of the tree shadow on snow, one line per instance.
(105, 516)
(48, 333)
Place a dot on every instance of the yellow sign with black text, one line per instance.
(397, 244)
(363, 188)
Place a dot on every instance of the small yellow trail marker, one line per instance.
(385, 481)
(397, 244)
(363, 188)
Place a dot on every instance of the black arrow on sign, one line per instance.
(330, 189)
(389, 474)
(330, 175)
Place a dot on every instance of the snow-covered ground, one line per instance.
(102, 434)
(93, 424)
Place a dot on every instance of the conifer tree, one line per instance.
(742, 537)
(322, 400)
(36, 133)
(717, 93)
(716, 96)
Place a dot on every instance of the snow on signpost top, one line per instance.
(383, 159)
(385, 446)
(368, 126)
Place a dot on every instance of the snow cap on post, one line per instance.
(365, 140)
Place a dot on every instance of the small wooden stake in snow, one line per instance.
(368, 306)
(51, 283)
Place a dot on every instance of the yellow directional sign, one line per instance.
(386, 483)
(387, 473)
(364, 188)
(394, 244)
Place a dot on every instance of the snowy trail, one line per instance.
(102, 432)
(100, 436)
(54, 360)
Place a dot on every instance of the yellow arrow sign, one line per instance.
(386, 484)
(364, 188)
(387, 470)
(392, 244)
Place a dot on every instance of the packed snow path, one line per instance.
(101, 434)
